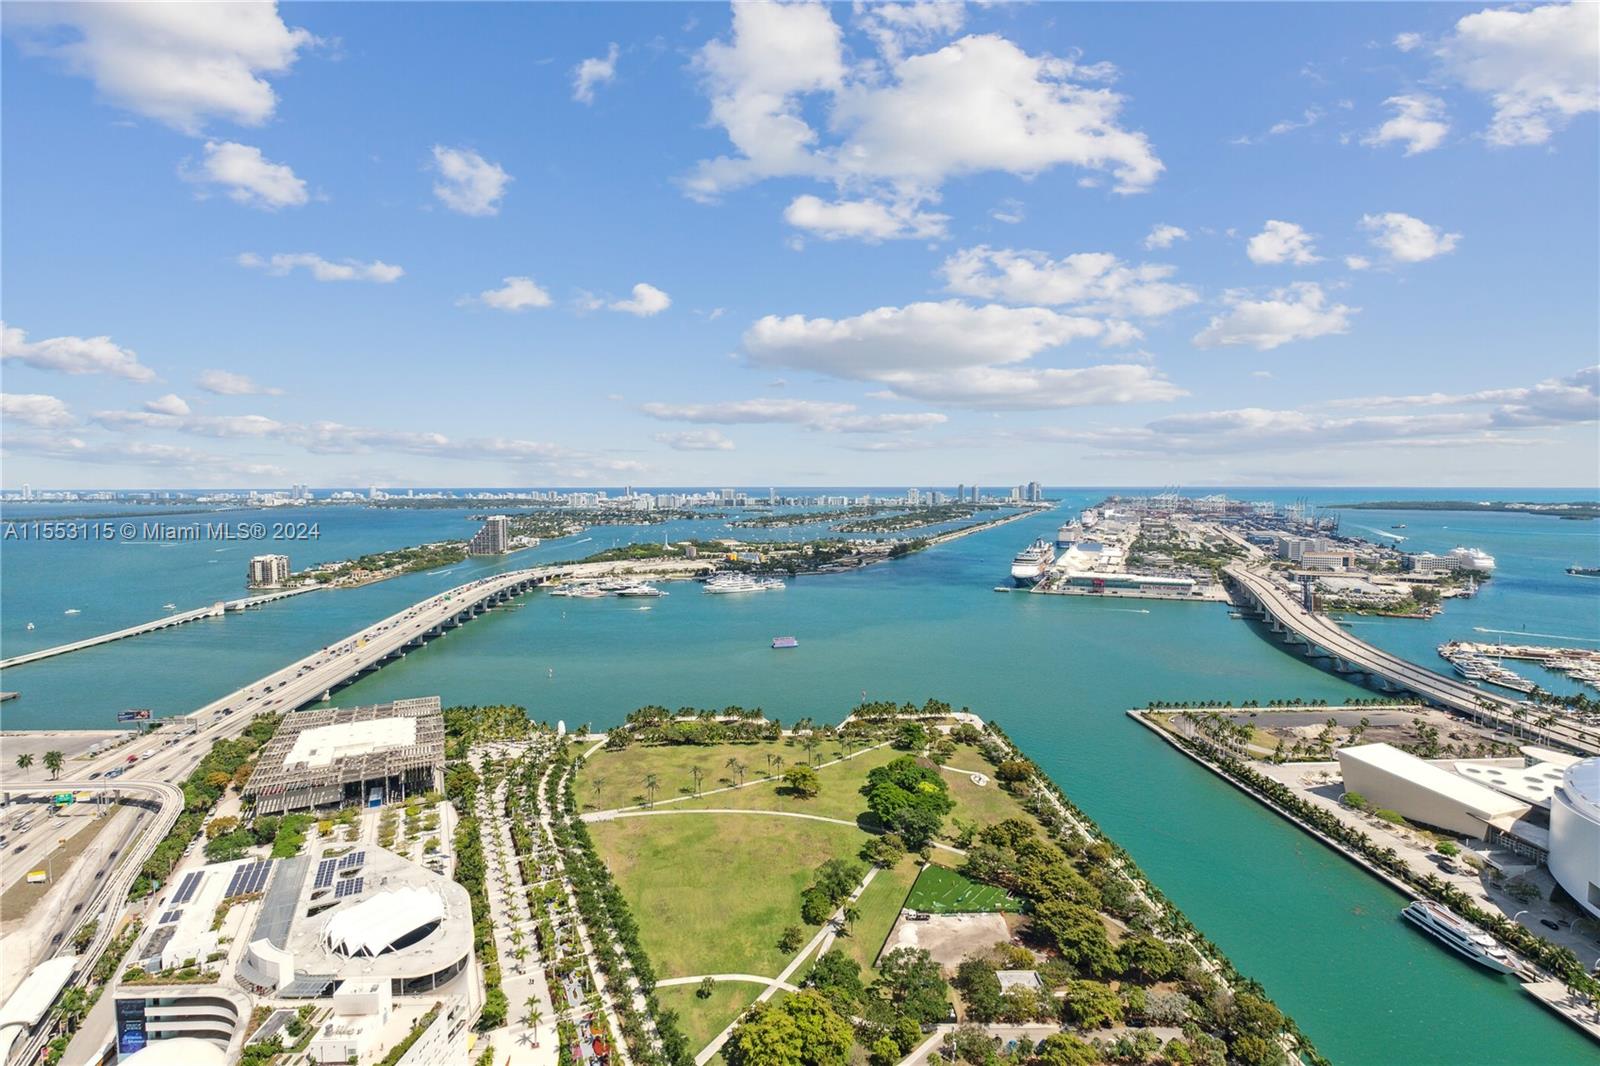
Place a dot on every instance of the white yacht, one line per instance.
(725, 584)
(1458, 935)
(1032, 562)
(643, 588)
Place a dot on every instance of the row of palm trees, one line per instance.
(53, 761)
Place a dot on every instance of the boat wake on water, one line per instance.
(437, 573)
(1129, 610)
(1382, 533)
(1525, 633)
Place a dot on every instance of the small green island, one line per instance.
(1577, 510)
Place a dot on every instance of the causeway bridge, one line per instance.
(213, 610)
(1322, 638)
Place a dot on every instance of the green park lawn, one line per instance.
(702, 1019)
(712, 893)
(841, 788)
(940, 890)
(621, 774)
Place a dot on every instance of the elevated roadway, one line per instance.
(214, 610)
(1324, 638)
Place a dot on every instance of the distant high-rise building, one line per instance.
(727, 497)
(1035, 492)
(961, 493)
(269, 571)
(493, 539)
(27, 491)
(913, 497)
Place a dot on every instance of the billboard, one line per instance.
(139, 714)
(130, 1026)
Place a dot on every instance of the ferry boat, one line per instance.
(729, 583)
(1032, 562)
(1457, 935)
(1584, 571)
(785, 642)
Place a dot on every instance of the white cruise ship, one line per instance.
(1032, 562)
(726, 584)
(1459, 936)
(1470, 559)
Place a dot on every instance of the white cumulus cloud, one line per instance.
(647, 300)
(1406, 239)
(180, 64)
(323, 269)
(248, 177)
(1096, 282)
(868, 220)
(1419, 123)
(73, 355)
(468, 183)
(514, 294)
(1537, 66)
(1163, 235)
(1282, 242)
(35, 409)
(170, 404)
(591, 72)
(1295, 313)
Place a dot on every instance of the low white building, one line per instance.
(1575, 834)
(1390, 778)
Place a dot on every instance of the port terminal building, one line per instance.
(341, 756)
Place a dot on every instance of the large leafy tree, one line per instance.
(1077, 933)
(909, 798)
(1090, 1004)
(910, 979)
(803, 1030)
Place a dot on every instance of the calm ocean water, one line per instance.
(1057, 672)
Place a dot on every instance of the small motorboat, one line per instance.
(785, 642)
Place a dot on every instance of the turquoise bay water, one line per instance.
(1057, 672)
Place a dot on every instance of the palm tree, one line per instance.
(24, 760)
(597, 784)
(733, 766)
(53, 761)
(697, 772)
(651, 783)
(531, 1016)
(777, 763)
(73, 1006)
(851, 916)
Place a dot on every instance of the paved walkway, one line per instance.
(745, 978)
(818, 944)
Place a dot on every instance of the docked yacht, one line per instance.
(1458, 935)
(726, 584)
(1032, 562)
(643, 588)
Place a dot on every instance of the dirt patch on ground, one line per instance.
(949, 938)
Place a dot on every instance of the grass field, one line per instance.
(702, 1019)
(940, 890)
(841, 788)
(621, 774)
(713, 892)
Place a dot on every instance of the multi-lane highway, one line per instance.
(1352, 655)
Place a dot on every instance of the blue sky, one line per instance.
(524, 244)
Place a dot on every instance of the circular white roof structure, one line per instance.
(1581, 783)
(387, 921)
(179, 1051)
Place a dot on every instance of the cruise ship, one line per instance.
(1458, 935)
(725, 584)
(1032, 562)
(1470, 559)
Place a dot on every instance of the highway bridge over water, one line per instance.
(214, 610)
(1322, 638)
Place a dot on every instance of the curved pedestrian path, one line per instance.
(607, 816)
(744, 978)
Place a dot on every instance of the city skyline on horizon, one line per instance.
(694, 244)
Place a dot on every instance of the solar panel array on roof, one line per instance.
(249, 878)
(187, 889)
(170, 916)
(306, 986)
(325, 870)
(355, 858)
(350, 887)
